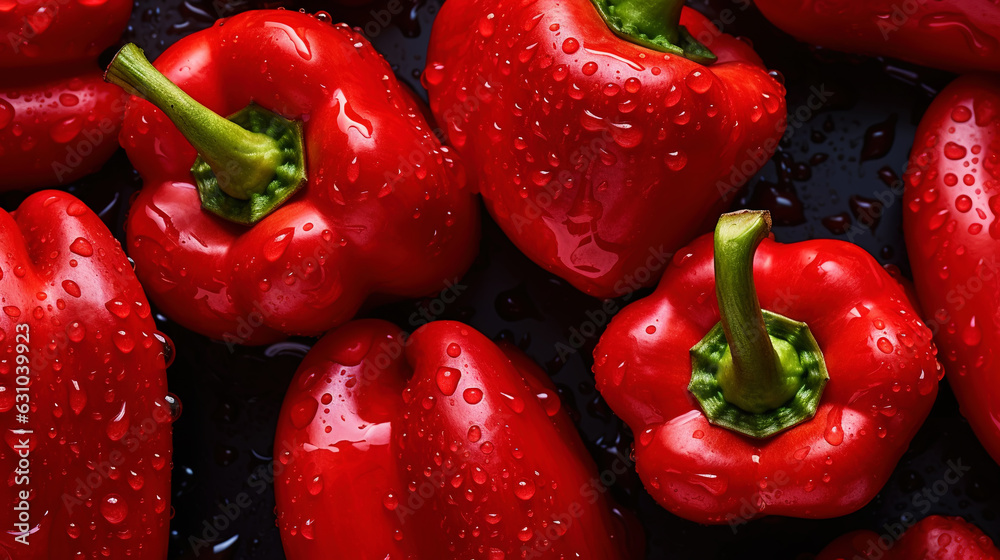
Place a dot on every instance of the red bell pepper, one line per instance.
(932, 538)
(601, 133)
(447, 445)
(953, 239)
(58, 119)
(954, 35)
(733, 421)
(83, 392)
(328, 188)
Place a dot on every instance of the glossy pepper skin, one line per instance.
(954, 35)
(952, 238)
(447, 445)
(59, 121)
(594, 152)
(76, 332)
(932, 538)
(385, 211)
(883, 378)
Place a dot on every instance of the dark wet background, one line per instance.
(834, 176)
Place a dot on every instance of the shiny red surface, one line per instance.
(59, 121)
(386, 210)
(883, 381)
(932, 538)
(953, 239)
(100, 451)
(442, 445)
(954, 35)
(598, 157)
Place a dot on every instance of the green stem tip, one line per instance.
(755, 372)
(247, 165)
(654, 24)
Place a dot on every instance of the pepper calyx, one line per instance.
(756, 372)
(247, 165)
(654, 24)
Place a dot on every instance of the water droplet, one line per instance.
(570, 46)
(475, 434)
(135, 480)
(118, 425)
(124, 341)
(169, 350)
(6, 113)
(66, 130)
(676, 160)
(486, 26)
(390, 501)
(514, 403)
(954, 151)
(118, 308)
(315, 485)
(76, 208)
(699, 81)
(114, 508)
(834, 434)
(524, 489)
(447, 380)
(276, 248)
(524, 534)
(77, 397)
(176, 408)
(434, 73)
(884, 345)
(472, 395)
(303, 411)
(71, 288)
(971, 334)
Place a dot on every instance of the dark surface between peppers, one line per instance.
(231, 400)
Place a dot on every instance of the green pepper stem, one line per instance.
(244, 162)
(655, 24)
(652, 17)
(757, 381)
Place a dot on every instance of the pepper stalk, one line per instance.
(756, 372)
(247, 165)
(654, 24)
